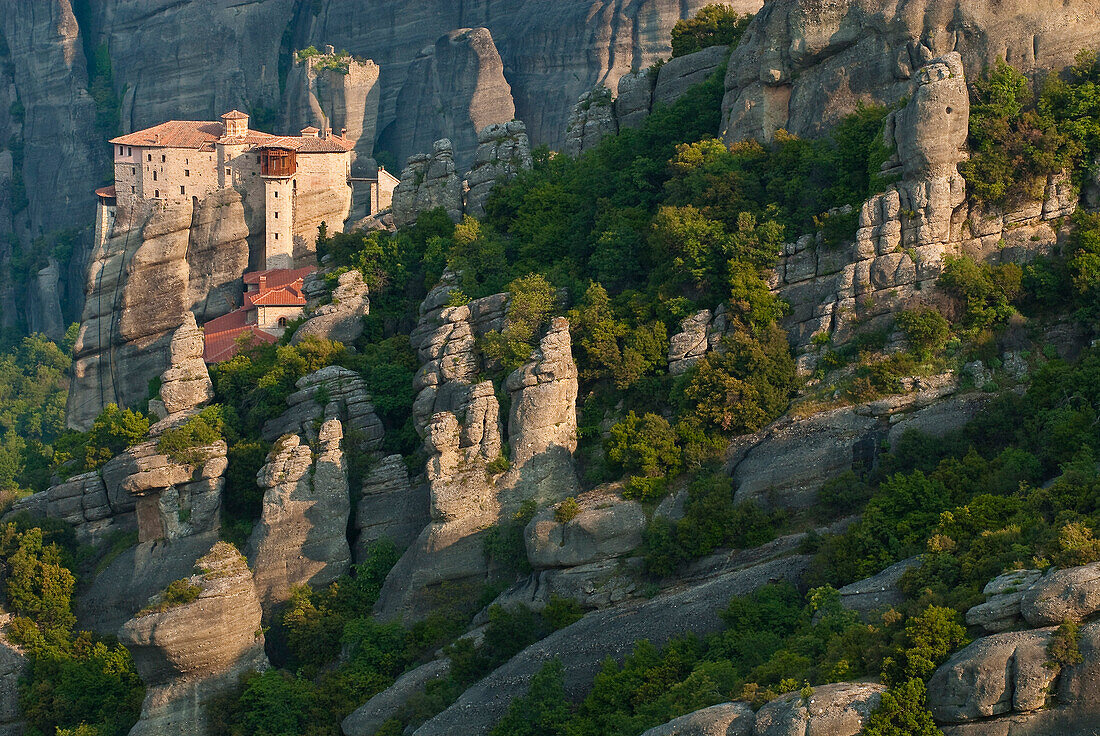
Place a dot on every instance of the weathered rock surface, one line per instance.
(454, 88)
(13, 664)
(342, 318)
(340, 388)
(342, 94)
(390, 507)
(725, 719)
(840, 709)
(607, 526)
(634, 99)
(503, 150)
(193, 652)
(1001, 610)
(186, 383)
(877, 592)
(679, 75)
(369, 717)
(428, 182)
(592, 120)
(1073, 594)
(301, 537)
(542, 424)
(699, 333)
(995, 675)
(804, 66)
(600, 634)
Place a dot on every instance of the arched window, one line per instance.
(282, 321)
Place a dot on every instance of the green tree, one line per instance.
(713, 25)
(543, 711)
(531, 302)
(902, 712)
(645, 448)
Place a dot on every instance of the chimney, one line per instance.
(343, 132)
(326, 132)
(236, 124)
(263, 283)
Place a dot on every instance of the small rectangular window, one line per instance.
(156, 193)
(182, 190)
(187, 172)
(276, 236)
(276, 195)
(276, 215)
(163, 158)
(154, 176)
(133, 190)
(150, 156)
(133, 171)
(129, 151)
(228, 172)
(120, 150)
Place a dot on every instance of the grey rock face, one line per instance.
(600, 634)
(634, 99)
(592, 120)
(802, 66)
(390, 507)
(1001, 610)
(995, 675)
(878, 591)
(607, 527)
(193, 652)
(725, 719)
(428, 182)
(1072, 594)
(542, 425)
(186, 384)
(699, 334)
(454, 88)
(342, 389)
(301, 536)
(679, 75)
(840, 709)
(341, 99)
(13, 664)
(503, 151)
(342, 318)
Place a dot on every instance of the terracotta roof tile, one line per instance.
(174, 134)
(108, 192)
(277, 277)
(235, 115)
(284, 296)
(224, 345)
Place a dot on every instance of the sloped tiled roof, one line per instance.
(107, 192)
(277, 277)
(224, 345)
(174, 134)
(235, 115)
(283, 296)
(309, 144)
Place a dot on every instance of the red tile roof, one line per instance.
(235, 115)
(284, 296)
(106, 192)
(277, 277)
(174, 134)
(225, 345)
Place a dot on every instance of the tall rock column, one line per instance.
(502, 152)
(190, 652)
(428, 182)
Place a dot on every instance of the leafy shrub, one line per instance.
(713, 25)
(504, 545)
(925, 330)
(178, 593)
(984, 292)
(183, 443)
(903, 711)
(928, 639)
(646, 448)
(1064, 648)
(532, 299)
(112, 432)
(567, 510)
(542, 711)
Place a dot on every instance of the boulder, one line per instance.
(1072, 594)
(840, 709)
(1001, 609)
(725, 719)
(301, 537)
(369, 717)
(992, 676)
(607, 526)
(634, 99)
(188, 653)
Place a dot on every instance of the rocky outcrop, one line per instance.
(390, 506)
(301, 537)
(428, 182)
(840, 709)
(1018, 596)
(188, 653)
(725, 719)
(454, 88)
(186, 384)
(1001, 609)
(542, 423)
(503, 151)
(592, 120)
(13, 664)
(802, 67)
(634, 99)
(877, 592)
(583, 646)
(342, 389)
(340, 93)
(605, 526)
(699, 333)
(679, 75)
(141, 284)
(341, 319)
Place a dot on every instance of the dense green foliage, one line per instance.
(73, 679)
(713, 25)
(185, 442)
(1019, 137)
